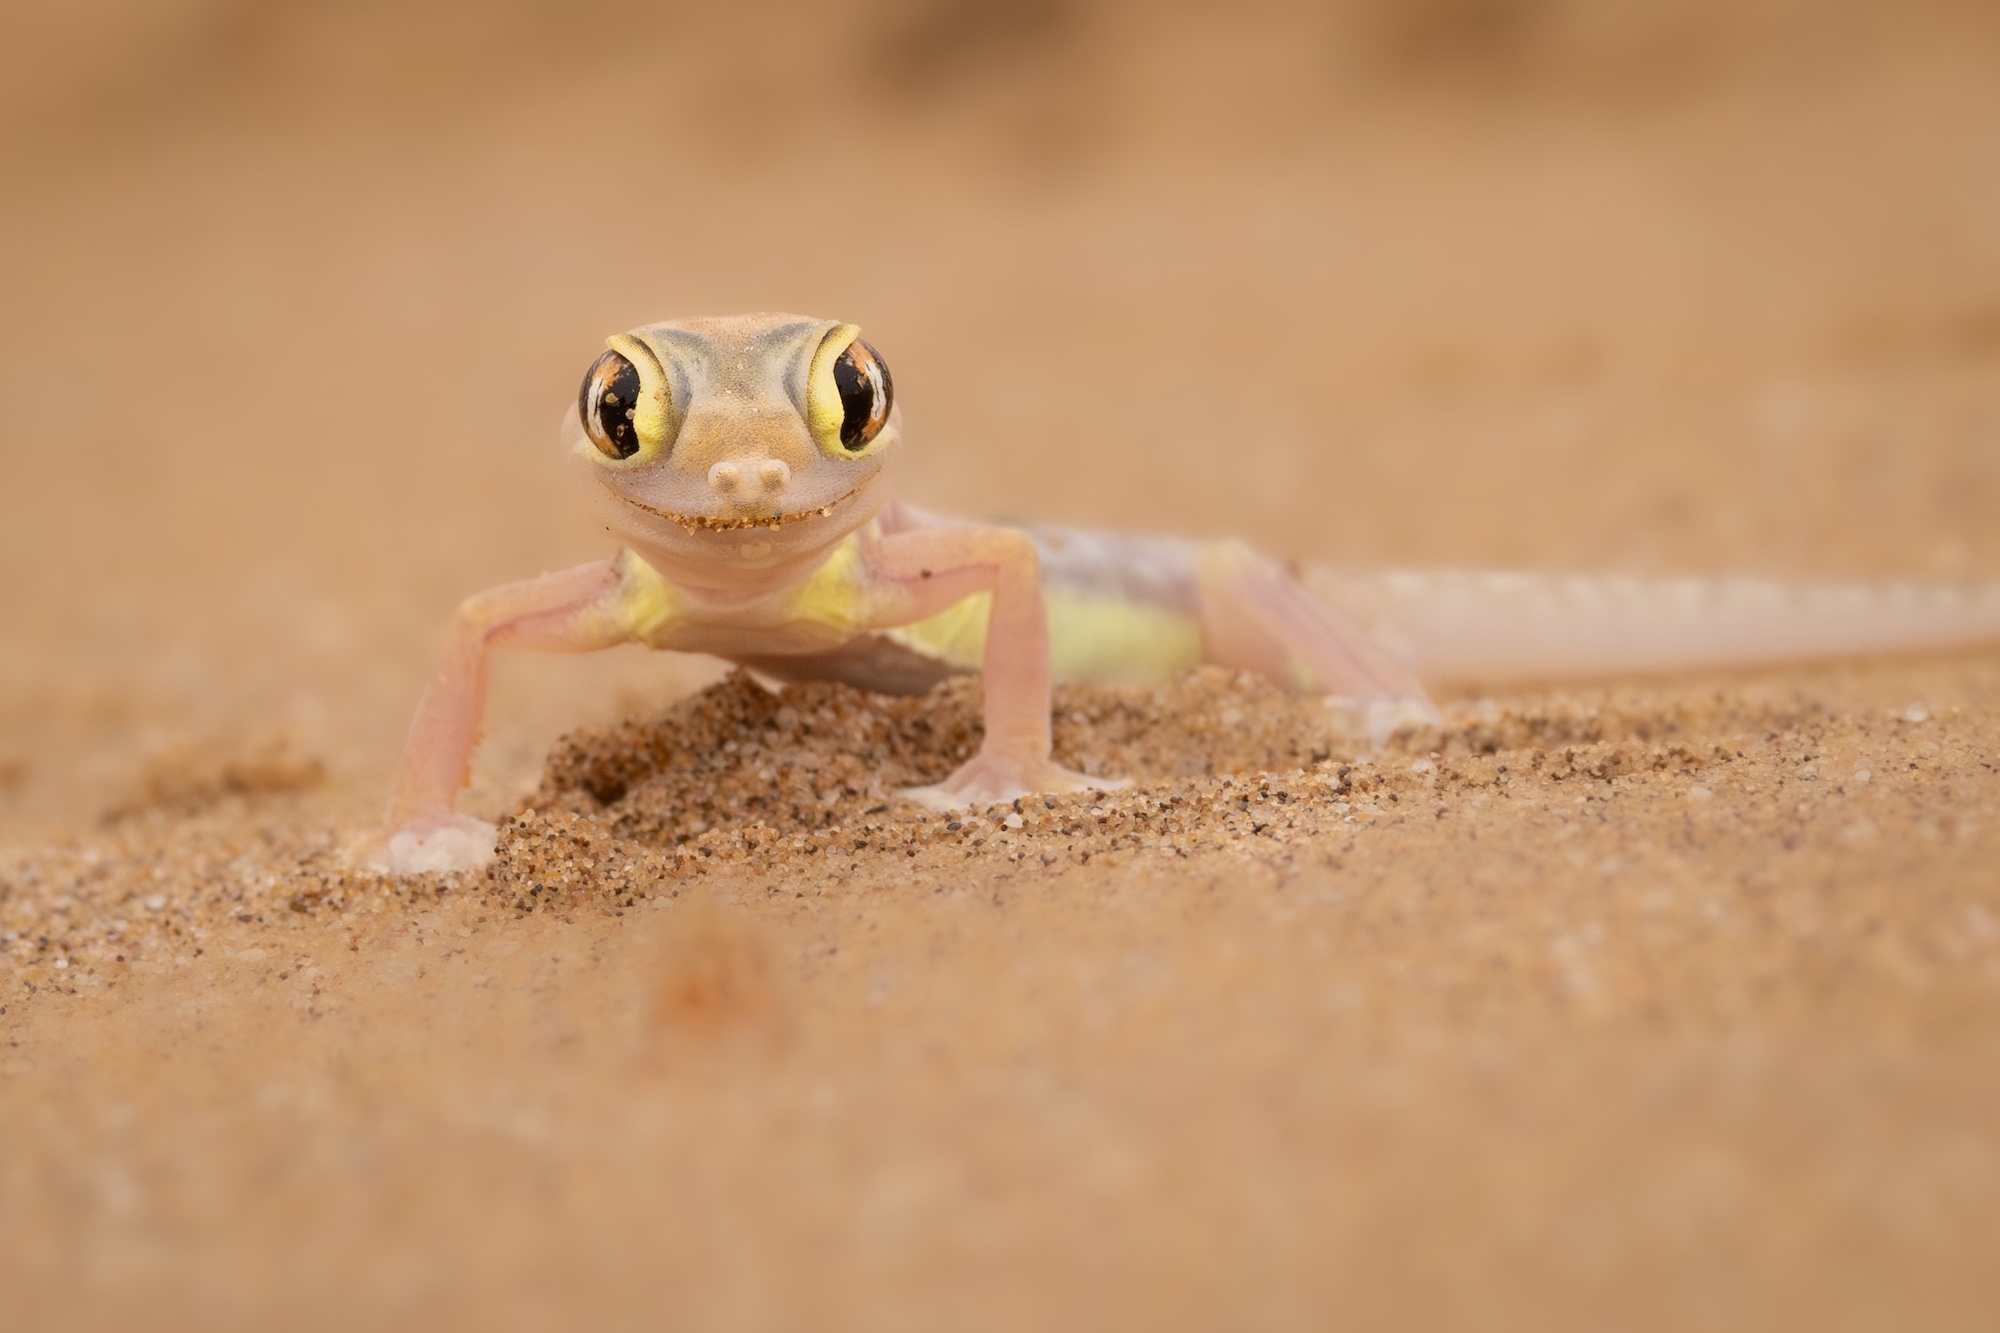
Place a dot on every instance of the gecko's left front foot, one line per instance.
(988, 779)
(456, 842)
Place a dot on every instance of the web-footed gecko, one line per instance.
(743, 465)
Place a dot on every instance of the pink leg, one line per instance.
(565, 612)
(921, 571)
(1256, 617)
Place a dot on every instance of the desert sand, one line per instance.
(1649, 1003)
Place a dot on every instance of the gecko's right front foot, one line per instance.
(455, 842)
(988, 779)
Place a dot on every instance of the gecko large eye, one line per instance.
(866, 395)
(848, 394)
(609, 396)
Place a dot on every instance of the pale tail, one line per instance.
(1492, 628)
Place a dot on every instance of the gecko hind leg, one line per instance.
(1257, 617)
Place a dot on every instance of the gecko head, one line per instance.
(753, 439)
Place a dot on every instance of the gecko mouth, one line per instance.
(703, 523)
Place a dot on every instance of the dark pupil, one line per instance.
(610, 392)
(863, 396)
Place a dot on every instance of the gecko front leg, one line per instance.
(918, 572)
(573, 611)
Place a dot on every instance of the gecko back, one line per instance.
(1143, 609)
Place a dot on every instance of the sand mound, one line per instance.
(805, 779)
(803, 782)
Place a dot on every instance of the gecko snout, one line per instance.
(748, 479)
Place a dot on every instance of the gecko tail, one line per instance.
(1496, 628)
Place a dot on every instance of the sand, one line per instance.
(1627, 1007)
(1641, 1004)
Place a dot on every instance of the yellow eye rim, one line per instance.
(653, 414)
(824, 410)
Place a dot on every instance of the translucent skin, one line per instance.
(750, 531)
(737, 510)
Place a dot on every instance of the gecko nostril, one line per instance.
(724, 478)
(774, 475)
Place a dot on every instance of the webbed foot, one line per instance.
(456, 842)
(987, 779)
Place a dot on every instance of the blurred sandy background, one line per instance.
(293, 294)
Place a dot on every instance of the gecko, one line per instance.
(744, 464)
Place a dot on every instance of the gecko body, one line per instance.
(743, 466)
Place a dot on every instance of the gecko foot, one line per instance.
(989, 779)
(456, 842)
(1381, 719)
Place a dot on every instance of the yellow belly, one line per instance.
(1090, 638)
